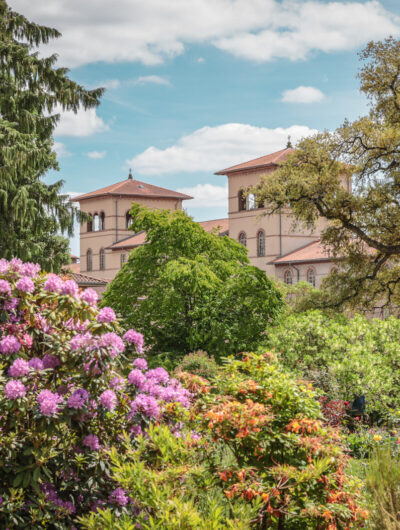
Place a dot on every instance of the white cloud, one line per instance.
(207, 196)
(83, 123)
(61, 150)
(215, 148)
(201, 60)
(154, 30)
(302, 94)
(151, 79)
(110, 84)
(97, 154)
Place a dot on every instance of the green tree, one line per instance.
(32, 90)
(190, 289)
(363, 223)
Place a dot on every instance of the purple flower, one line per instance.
(10, 305)
(78, 398)
(5, 287)
(92, 442)
(25, 284)
(146, 405)
(159, 375)
(118, 496)
(81, 341)
(134, 337)
(90, 296)
(114, 342)
(9, 344)
(48, 402)
(19, 368)
(106, 315)
(15, 264)
(140, 363)
(4, 266)
(53, 283)
(137, 378)
(51, 361)
(14, 389)
(30, 269)
(117, 382)
(70, 287)
(36, 363)
(108, 399)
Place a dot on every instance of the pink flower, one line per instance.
(36, 363)
(108, 399)
(53, 283)
(137, 378)
(117, 382)
(9, 344)
(51, 361)
(92, 442)
(70, 287)
(90, 296)
(106, 315)
(5, 288)
(134, 337)
(14, 389)
(30, 269)
(112, 340)
(19, 368)
(147, 405)
(48, 402)
(140, 363)
(118, 496)
(25, 284)
(78, 398)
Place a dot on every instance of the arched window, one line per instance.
(260, 243)
(89, 260)
(311, 276)
(243, 238)
(89, 227)
(102, 221)
(250, 201)
(102, 259)
(288, 278)
(128, 220)
(242, 200)
(123, 259)
(96, 222)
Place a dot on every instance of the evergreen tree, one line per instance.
(32, 90)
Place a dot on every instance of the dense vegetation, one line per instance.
(187, 289)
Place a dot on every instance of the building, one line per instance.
(283, 251)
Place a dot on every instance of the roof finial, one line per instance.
(289, 143)
(130, 177)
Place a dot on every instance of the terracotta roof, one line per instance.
(82, 279)
(133, 188)
(73, 267)
(311, 252)
(140, 237)
(273, 159)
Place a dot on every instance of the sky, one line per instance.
(194, 86)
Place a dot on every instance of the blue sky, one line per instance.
(197, 85)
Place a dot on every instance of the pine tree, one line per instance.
(32, 90)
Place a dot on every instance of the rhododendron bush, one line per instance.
(72, 386)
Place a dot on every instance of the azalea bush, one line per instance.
(345, 358)
(72, 385)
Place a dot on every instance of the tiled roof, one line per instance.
(133, 188)
(82, 279)
(140, 237)
(73, 267)
(263, 161)
(311, 252)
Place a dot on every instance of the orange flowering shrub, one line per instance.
(275, 450)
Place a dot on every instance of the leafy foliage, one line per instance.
(198, 363)
(191, 289)
(363, 222)
(32, 91)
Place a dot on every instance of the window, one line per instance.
(123, 259)
(250, 201)
(128, 220)
(96, 222)
(89, 227)
(242, 201)
(102, 259)
(89, 260)
(102, 221)
(288, 278)
(243, 238)
(311, 276)
(261, 243)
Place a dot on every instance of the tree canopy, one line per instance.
(351, 177)
(32, 92)
(190, 289)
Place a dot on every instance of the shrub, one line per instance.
(67, 394)
(281, 453)
(346, 358)
(198, 363)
